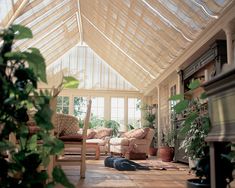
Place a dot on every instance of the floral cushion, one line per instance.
(102, 133)
(136, 133)
(90, 133)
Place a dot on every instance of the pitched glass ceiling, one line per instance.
(92, 72)
(140, 39)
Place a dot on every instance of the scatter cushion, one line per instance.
(66, 125)
(136, 133)
(75, 137)
(90, 133)
(102, 133)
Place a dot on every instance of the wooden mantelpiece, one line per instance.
(221, 93)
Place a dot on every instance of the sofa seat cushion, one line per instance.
(71, 138)
(138, 141)
(101, 142)
(119, 141)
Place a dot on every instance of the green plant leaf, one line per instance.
(194, 84)
(184, 130)
(36, 62)
(191, 118)
(60, 177)
(15, 55)
(32, 143)
(181, 106)
(70, 82)
(21, 32)
(177, 97)
(203, 95)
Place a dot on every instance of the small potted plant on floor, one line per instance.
(149, 118)
(166, 150)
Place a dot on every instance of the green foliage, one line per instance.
(19, 74)
(196, 124)
(150, 122)
(70, 82)
(113, 125)
(168, 137)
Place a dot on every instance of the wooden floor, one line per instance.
(99, 176)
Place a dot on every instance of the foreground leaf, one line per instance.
(22, 32)
(60, 177)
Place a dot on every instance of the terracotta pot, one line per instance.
(153, 151)
(166, 153)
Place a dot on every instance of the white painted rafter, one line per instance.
(16, 12)
(136, 63)
(79, 21)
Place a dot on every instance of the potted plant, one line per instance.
(166, 149)
(150, 122)
(21, 159)
(195, 128)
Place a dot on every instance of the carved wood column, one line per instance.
(228, 32)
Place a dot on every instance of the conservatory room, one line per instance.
(117, 93)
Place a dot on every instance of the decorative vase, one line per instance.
(166, 153)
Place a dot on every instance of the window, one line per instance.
(97, 107)
(117, 110)
(172, 103)
(79, 105)
(62, 105)
(134, 114)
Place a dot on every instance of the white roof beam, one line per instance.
(146, 71)
(79, 20)
(16, 12)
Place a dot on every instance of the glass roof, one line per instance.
(139, 39)
(93, 72)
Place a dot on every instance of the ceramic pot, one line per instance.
(153, 151)
(166, 153)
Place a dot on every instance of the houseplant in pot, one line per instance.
(21, 159)
(195, 128)
(166, 150)
(150, 122)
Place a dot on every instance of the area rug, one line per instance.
(159, 165)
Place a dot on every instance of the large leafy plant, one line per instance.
(196, 124)
(20, 160)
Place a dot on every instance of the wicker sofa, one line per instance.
(67, 126)
(135, 141)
